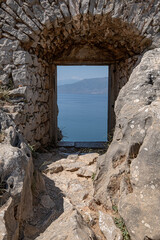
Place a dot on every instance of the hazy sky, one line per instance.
(75, 73)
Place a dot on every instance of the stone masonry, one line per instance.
(36, 36)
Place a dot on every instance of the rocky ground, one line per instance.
(63, 199)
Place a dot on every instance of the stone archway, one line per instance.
(36, 35)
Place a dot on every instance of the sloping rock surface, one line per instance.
(16, 170)
(128, 174)
(75, 219)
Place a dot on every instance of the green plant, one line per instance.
(115, 208)
(121, 225)
(32, 149)
(10, 85)
(93, 176)
(4, 94)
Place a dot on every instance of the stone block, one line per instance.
(8, 18)
(74, 7)
(4, 78)
(21, 76)
(22, 57)
(8, 68)
(12, 4)
(21, 91)
(5, 57)
(15, 32)
(84, 6)
(27, 20)
(99, 7)
(64, 9)
(40, 14)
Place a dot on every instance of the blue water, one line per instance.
(83, 117)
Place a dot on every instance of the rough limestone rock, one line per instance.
(35, 37)
(130, 171)
(16, 170)
(88, 171)
(70, 226)
(89, 158)
(108, 227)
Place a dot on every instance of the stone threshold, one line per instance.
(82, 144)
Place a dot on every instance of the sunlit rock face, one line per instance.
(128, 174)
(35, 36)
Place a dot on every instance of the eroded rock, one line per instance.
(108, 227)
(129, 172)
(70, 225)
(16, 178)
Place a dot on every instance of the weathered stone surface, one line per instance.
(72, 167)
(37, 35)
(47, 202)
(22, 57)
(21, 76)
(71, 221)
(86, 171)
(16, 176)
(5, 57)
(4, 78)
(18, 92)
(130, 170)
(89, 158)
(7, 44)
(108, 227)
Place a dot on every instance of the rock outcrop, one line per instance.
(16, 171)
(128, 174)
(35, 36)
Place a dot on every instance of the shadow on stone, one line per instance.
(47, 206)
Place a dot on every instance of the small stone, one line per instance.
(7, 44)
(72, 167)
(4, 79)
(17, 92)
(22, 57)
(5, 57)
(21, 76)
(86, 171)
(89, 158)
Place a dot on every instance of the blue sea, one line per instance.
(83, 117)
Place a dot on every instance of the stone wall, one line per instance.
(28, 100)
(35, 35)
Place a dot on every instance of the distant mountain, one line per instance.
(69, 81)
(86, 86)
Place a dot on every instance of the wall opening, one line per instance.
(82, 98)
